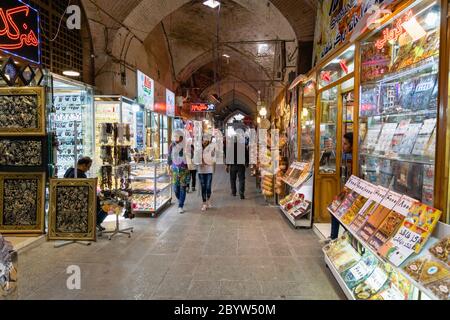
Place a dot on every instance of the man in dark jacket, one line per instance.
(83, 166)
(238, 164)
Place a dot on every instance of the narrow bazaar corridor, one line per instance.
(240, 249)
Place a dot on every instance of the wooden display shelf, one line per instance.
(429, 244)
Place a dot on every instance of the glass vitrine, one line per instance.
(328, 130)
(307, 119)
(399, 100)
(72, 121)
(151, 186)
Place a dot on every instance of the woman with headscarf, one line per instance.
(179, 168)
(206, 170)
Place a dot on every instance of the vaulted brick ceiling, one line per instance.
(191, 33)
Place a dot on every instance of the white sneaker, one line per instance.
(209, 204)
(204, 207)
(180, 210)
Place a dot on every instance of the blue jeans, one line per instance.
(205, 182)
(101, 216)
(180, 193)
(335, 224)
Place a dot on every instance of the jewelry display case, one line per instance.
(151, 187)
(73, 121)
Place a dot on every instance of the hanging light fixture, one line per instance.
(212, 3)
(71, 72)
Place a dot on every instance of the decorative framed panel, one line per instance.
(24, 154)
(73, 209)
(22, 203)
(22, 111)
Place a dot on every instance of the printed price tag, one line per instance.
(391, 200)
(404, 205)
(392, 294)
(352, 183)
(406, 238)
(377, 280)
(359, 271)
(380, 194)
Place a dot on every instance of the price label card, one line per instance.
(391, 200)
(359, 271)
(406, 238)
(392, 294)
(367, 189)
(352, 183)
(404, 205)
(377, 280)
(379, 194)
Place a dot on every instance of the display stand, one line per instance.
(117, 230)
(303, 185)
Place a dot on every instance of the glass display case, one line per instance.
(72, 120)
(307, 119)
(328, 130)
(151, 187)
(118, 109)
(399, 101)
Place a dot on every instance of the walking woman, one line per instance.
(178, 168)
(205, 172)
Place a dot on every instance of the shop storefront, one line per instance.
(389, 89)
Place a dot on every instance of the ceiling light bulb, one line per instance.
(263, 112)
(71, 73)
(212, 3)
(262, 47)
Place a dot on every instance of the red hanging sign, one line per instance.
(202, 107)
(19, 30)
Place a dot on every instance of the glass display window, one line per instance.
(338, 68)
(399, 100)
(72, 120)
(328, 130)
(307, 121)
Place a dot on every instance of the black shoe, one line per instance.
(99, 227)
(193, 189)
(242, 197)
(233, 194)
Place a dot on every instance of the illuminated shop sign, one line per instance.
(19, 30)
(393, 34)
(170, 103)
(202, 107)
(146, 90)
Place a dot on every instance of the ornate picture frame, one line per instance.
(22, 203)
(28, 116)
(25, 154)
(73, 209)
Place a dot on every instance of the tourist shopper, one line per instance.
(178, 168)
(83, 166)
(205, 172)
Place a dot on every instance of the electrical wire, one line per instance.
(59, 26)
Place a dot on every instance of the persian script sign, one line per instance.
(19, 30)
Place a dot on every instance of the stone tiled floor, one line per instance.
(237, 250)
